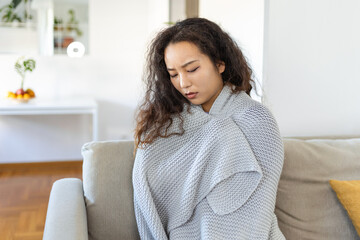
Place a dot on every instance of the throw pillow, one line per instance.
(348, 192)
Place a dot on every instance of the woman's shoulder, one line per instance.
(245, 104)
(250, 112)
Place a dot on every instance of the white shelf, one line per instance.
(64, 106)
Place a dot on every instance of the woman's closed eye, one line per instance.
(190, 71)
(193, 69)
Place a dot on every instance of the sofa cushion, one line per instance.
(306, 206)
(348, 193)
(107, 170)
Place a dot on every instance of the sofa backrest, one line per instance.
(107, 170)
(306, 206)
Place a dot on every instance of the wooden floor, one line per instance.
(24, 195)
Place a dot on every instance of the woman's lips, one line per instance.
(191, 95)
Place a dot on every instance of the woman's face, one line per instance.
(193, 74)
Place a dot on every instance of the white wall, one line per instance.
(12, 38)
(111, 73)
(312, 66)
(244, 20)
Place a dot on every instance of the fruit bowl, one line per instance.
(21, 96)
(15, 100)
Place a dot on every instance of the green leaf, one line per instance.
(29, 65)
(21, 66)
(15, 3)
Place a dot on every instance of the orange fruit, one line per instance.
(26, 96)
(19, 96)
(10, 94)
(30, 92)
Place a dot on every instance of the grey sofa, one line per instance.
(101, 206)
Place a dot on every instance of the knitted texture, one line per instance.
(216, 181)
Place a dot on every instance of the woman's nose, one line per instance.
(184, 81)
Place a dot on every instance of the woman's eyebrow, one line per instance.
(171, 69)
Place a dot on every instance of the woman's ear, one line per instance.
(220, 66)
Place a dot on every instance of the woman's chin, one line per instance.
(195, 101)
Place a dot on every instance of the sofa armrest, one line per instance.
(66, 214)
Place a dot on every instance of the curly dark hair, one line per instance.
(162, 102)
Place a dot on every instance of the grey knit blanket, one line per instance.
(216, 181)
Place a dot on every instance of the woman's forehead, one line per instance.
(182, 53)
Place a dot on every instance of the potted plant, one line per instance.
(66, 32)
(9, 15)
(58, 29)
(22, 66)
(72, 26)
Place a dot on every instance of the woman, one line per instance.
(208, 157)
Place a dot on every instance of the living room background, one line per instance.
(317, 97)
(119, 32)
